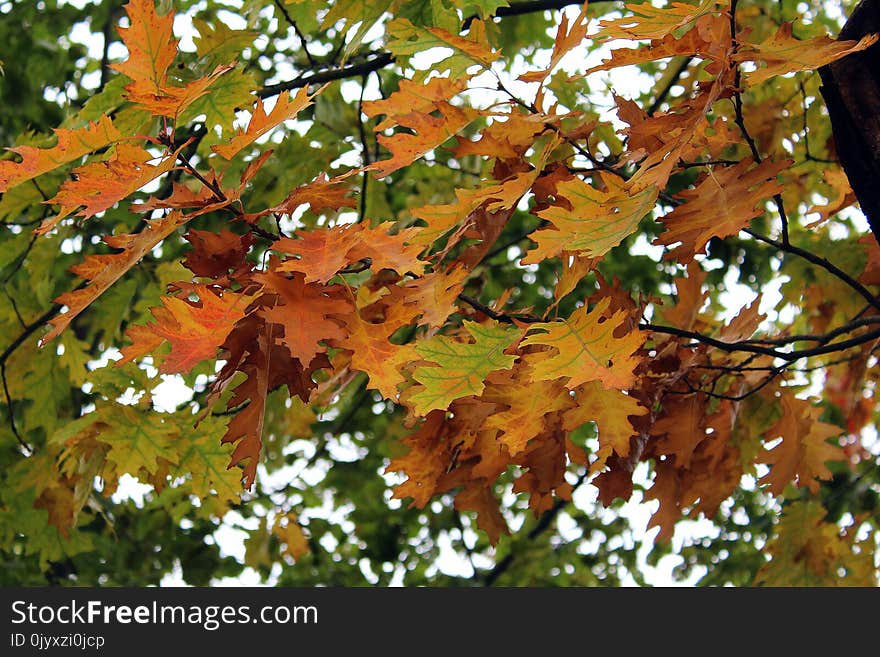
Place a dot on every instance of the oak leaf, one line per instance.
(649, 22)
(194, 329)
(286, 107)
(587, 349)
(306, 312)
(782, 53)
(100, 185)
(71, 145)
(523, 404)
(152, 49)
(593, 221)
(610, 409)
(721, 204)
(803, 452)
(566, 40)
(427, 133)
(456, 368)
(103, 270)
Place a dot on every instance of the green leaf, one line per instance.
(459, 368)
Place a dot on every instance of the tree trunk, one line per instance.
(851, 88)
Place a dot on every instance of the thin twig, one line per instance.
(667, 89)
(741, 123)
(21, 441)
(299, 34)
(819, 262)
(540, 527)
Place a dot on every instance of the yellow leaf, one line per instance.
(586, 348)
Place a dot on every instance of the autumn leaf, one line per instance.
(610, 409)
(434, 295)
(744, 325)
(721, 204)
(425, 132)
(457, 369)
(290, 533)
(709, 39)
(803, 452)
(681, 428)
(523, 404)
(479, 498)
(285, 108)
(100, 185)
(320, 194)
(807, 551)
(71, 146)
(406, 39)
(322, 252)
(586, 348)
(566, 40)
(650, 22)
(373, 353)
(593, 221)
(245, 430)
(152, 49)
(782, 53)
(305, 312)
(194, 329)
(413, 96)
(102, 271)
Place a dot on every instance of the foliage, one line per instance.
(441, 292)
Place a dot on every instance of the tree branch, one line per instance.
(379, 61)
(540, 527)
(819, 262)
(788, 356)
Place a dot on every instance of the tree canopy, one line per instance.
(439, 292)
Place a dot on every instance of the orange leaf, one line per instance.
(782, 53)
(291, 534)
(72, 145)
(151, 45)
(151, 51)
(322, 252)
(373, 354)
(434, 295)
(610, 410)
(286, 107)
(430, 132)
(801, 456)
(320, 194)
(412, 97)
(246, 427)
(100, 185)
(104, 270)
(478, 497)
(710, 40)
(744, 325)
(305, 311)
(195, 330)
(682, 428)
(721, 204)
(524, 404)
(319, 253)
(566, 40)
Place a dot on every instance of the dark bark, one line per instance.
(851, 88)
